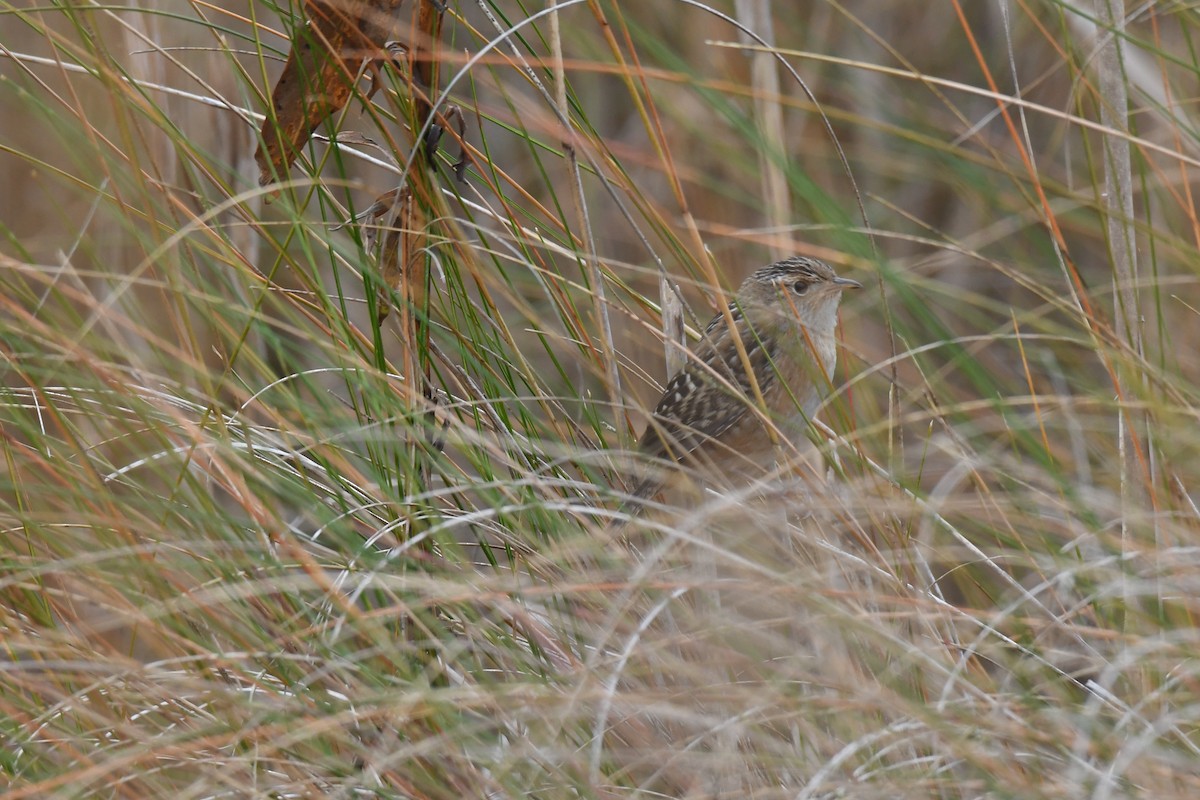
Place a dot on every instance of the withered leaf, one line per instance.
(318, 80)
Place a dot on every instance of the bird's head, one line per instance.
(799, 288)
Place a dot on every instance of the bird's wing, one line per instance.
(710, 394)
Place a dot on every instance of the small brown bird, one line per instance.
(710, 416)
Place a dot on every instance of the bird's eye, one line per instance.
(800, 287)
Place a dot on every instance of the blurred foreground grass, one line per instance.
(247, 554)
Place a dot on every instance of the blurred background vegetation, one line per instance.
(261, 540)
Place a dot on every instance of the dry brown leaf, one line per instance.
(327, 55)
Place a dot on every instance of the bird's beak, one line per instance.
(846, 283)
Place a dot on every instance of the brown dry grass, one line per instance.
(236, 565)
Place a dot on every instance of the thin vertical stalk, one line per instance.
(1117, 204)
(608, 351)
(1118, 175)
(764, 80)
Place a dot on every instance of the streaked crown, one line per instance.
(796, 276)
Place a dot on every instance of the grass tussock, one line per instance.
(303, 496)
